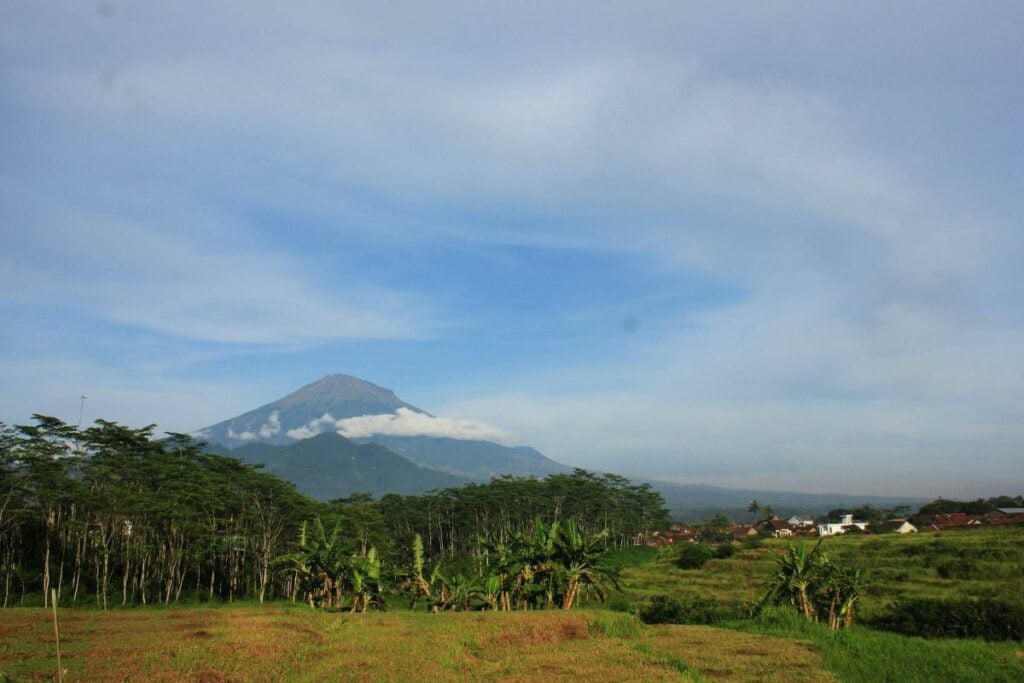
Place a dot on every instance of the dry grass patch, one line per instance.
(277, 643)
(734, 656)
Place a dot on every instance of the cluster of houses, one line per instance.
(805, 525)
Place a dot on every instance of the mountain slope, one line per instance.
(478, 460)
(339, 396)
(330, 466)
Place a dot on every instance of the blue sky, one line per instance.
(773, 246)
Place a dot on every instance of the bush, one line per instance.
(694, 556)
(751, 542)
(985, 618)
(664, 609)
(725, 551)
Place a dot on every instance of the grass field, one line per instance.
(285, 642)
(944, 565)
(948, 564)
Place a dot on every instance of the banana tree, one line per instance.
(320, 564)
(578, 555)
(795, 574)
(840, 591)
(364, 581)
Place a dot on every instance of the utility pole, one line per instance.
(81, 410)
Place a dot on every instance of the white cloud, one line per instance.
(405, 422)
(312, 428)
(247, 435)
(162, 280)
(271, 427)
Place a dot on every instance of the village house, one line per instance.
(898, 526)
(778, 528)
(998, 518)
(677, 533)
(952, 520)
(742, 531)
(846, 523)
(801, 521)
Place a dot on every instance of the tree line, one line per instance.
(112, 516)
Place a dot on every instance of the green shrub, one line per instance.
(664, 609)
(694, 556)
(618, 602)
(984, 618)
(725, 551)
(751, 542)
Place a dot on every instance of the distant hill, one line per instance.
(693, 502)
(330, 466)
(478, 460)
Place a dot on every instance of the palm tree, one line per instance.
(754, 508)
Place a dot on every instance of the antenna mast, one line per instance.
(81, 410)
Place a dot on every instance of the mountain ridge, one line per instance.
(329, 466)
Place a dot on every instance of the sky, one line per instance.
(771, 245)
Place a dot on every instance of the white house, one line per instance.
(899, 526)
(801, 521)
(845, 522)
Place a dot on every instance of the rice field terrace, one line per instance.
(940, 565)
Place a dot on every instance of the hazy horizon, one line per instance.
(772, 247)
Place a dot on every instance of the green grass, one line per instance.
(943, 565)
(946, 565)
(862, 654)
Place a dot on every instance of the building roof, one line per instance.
(1011, 511)
(953, 519)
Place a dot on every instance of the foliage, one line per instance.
(715, 530)
(114, 514)
(665, 609)
(815, 586)
(974, 507)
(694, 556)
(978, 618)
(725, 550)
(552, 565)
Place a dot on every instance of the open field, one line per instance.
(947, 564)
(285, 643)
(244, 643)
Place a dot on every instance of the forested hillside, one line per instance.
(330, 466)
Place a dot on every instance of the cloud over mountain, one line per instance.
(403, 422)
